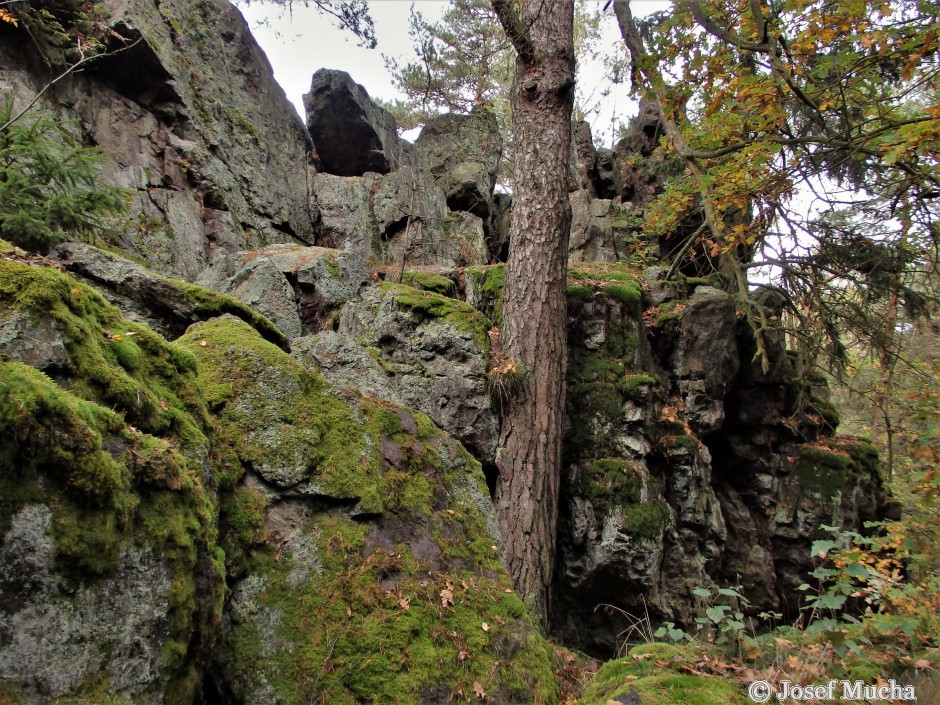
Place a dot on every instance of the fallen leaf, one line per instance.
(450, 511)
(922, 664)
(447, 598)
(348, 611)
(485, 627)
(404, 602)
(163, 405)
(478, 689)
(203, 343)
(130, 333)
(462, 655)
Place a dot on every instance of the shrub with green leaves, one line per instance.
(49, 190)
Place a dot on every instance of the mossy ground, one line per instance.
(375, 627)
(651, 673)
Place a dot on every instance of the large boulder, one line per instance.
(297, 288)
(361, 543)
(434, 351)
(351, 134)
(462, 152)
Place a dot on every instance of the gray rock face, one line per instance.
(297, 288)
(706, 359)
(462, 153)
(204, 151)
(40, 344)
(351, 134)
(591, 237)
(52, 636)
(688, 466)
(346, 218)
(431, 363)
(401, 217)
(583, 158)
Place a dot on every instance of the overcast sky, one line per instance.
(299, 43)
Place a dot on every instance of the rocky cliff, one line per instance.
(245, 453)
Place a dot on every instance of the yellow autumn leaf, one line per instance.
(5, 16)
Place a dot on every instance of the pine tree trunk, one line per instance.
(534, 331)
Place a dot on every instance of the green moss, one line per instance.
(647, 519)
(383, 633)
(680, 442)
(668, 311)
(631, 296)
(612, 280)
(826, 410)
(109, 487)
(112, 361)
(613, 481)
(208, 304)
(5, 247)
(430, 305)
(650, 673)
(580, 292)
(490, 281)
(822, 470)
(429, 281)
(631, 384)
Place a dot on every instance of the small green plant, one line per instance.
(48, 185)
(723, 623)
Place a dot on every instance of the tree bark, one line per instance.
(534, 326)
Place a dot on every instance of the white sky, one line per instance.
(299, 43)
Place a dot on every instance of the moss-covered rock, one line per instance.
(109, 537)
(652, 673)
(485, 289)
(169, 306)
(361, 541)
(429, 281)
(434, 350)
(427, 304)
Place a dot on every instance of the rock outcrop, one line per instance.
(462, 153)
(687, 466)
(175, 513)
(190, 119)
(351, 134)
(268, 486)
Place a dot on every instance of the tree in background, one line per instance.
(352, 15)
(810, 132)
(534, 330)
(463, 60)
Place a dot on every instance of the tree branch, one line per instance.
(515, 29)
